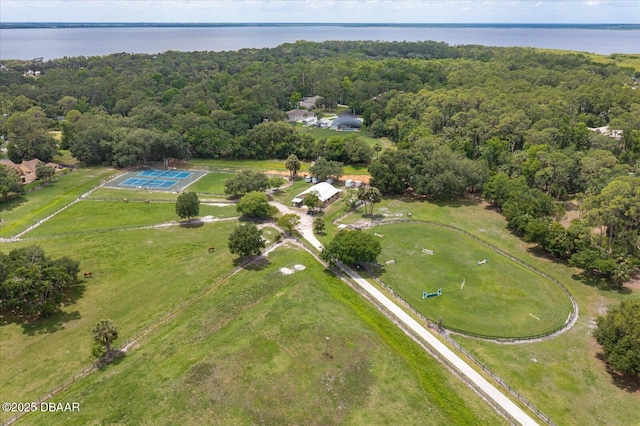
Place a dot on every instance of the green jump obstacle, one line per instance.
(426, 295)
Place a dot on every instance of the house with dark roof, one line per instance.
(346, 123)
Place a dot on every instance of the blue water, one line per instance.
(51, 43)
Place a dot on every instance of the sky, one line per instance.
(336, 11)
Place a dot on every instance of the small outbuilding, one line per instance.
(326, 192)
(346, 123)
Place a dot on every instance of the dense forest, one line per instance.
(510, 123)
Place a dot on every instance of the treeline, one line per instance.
(512, 122)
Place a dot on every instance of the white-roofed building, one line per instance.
(325, 191)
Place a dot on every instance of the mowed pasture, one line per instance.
(255, 351)
(211, 183)
(22, 211)
(90, 216)
(138, 275)
(498, 298)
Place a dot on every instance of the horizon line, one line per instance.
(310, 23)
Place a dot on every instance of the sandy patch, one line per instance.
(289, 271)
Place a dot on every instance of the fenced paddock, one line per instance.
(503, 299)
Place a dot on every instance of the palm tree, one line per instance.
(104, 333)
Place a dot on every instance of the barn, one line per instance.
(326, 192)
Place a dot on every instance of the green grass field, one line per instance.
(236, 356)
(103, 216)
(562, 376)
(253, 352)
(25, 210)
(211, 183)
(500, 298)
(138, 275)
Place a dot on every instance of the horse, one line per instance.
(126, 200)
(88, 274)
(212, 249)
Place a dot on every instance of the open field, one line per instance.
(231, 166)
(253, 352)
(211, 183)
(319, 133)
(500, 298)
(138, 275)
(141, 274)
(25, 210)
(562, 376)
(105, 216)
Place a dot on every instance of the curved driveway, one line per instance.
(487, 389)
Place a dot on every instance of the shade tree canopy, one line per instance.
(293, 165)
(618, 333)
(254, 204)
(188, 205)
(351, 247)
(246, 181)
(289, 222)
(33, 284)
(9, 182)
(246, 240)
(324, 169)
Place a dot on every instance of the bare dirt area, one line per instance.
(572, 211)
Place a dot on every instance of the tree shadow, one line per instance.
(457, 203)
(625, 382)
(114, 358)
(259, 264)
(600, 282)
(538, 252)
(193, 223)
(12, 202)
(50, 324)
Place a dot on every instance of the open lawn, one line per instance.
(499, 298)
(89, 216)
(25, 210)
(211, 183)
(254, 351)
(238, 356)
(276, 166)
(320, 133)
(64, 157)
(231, 166)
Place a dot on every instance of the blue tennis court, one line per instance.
(168, 174)
(156, 179)
(153, 183)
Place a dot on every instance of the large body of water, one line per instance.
(51, 43)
